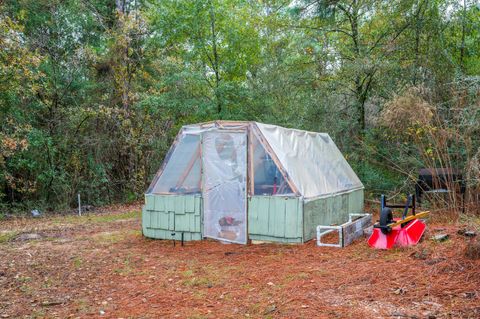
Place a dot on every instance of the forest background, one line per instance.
(92, 92)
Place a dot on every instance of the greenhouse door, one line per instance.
(224, 156)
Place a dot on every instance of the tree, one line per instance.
(19, 78)
(217, 40)
(361, 35)
(92, 92)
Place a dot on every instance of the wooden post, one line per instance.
(189, 167)
(251, 170)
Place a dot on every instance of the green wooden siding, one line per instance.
(272, 218)
(163, 215)
(332, 210)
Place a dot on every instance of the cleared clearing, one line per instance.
(101, 266)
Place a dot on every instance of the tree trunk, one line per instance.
(462, 46)
(215, 58)
(360, 95)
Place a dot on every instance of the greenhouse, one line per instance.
(240, 181)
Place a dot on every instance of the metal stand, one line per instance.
(182, 238)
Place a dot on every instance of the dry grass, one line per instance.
(408, 111)
(430, 134)
(107, 266)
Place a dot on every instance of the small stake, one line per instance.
(79, 206)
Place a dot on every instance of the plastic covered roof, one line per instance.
(312, 161)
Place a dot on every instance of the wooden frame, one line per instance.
(217, 130)
(189, 166)
(251, 167)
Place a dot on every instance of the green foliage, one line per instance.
(93, 92)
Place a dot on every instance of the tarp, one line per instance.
(183, 167)
(312, 160)
(224, 185)
(267, 178)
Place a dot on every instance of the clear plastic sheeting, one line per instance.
(211, 159)
(224, 185)
(182, 173)
(268, 180)
(313, 162)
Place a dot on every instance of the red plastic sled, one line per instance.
(409, 234)
(397, 232)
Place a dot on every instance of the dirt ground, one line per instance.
(100, 266)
